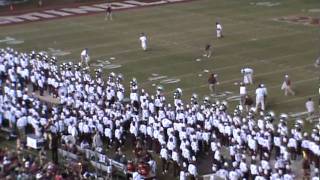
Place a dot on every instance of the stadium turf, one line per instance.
(177, 37)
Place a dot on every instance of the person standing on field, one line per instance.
(248, 102)
(143, 40)
(108, 13)
(219, 30)
(213, 81)
(207, 51)
(247, 75)
(310, 107)
(261, 94)
(85, 58)
(243, 93)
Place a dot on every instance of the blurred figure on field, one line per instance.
(243, 93)
(40, 3)
(207, 51)
(310, 107)
(247, 75)
(85, 58)
(219, 30)
(248, 102)
(213, 81)
(143, 40)
(261, 95)
(108, 13)
(286, 86)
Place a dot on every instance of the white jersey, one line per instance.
(260, 92)
(243, 90)
(219, 30)
(219, 27)
(85, 56)
(143, 40)
(84, 53)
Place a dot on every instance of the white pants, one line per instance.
(247, 79)
(144, 46)
(260, 101)
(219, 33)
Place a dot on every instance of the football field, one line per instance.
(272, 37)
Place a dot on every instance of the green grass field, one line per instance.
(178, 34)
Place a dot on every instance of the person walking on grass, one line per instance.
(286, 86)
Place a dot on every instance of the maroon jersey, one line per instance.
(288, 82)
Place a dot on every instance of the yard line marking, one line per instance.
(296, 99)
(103, 45)
(138, 49)
(256, 75)
(274, 59)
(295, 32)
(89, 25)
(186, 50)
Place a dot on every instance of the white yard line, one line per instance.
(256, 75)
(187, 50)
(108, 44)
(274, 59)
(297, 99)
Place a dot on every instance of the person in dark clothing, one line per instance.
(108, 13)
(248, 102)
(207, 51)
(54, 147)
(212, 81)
